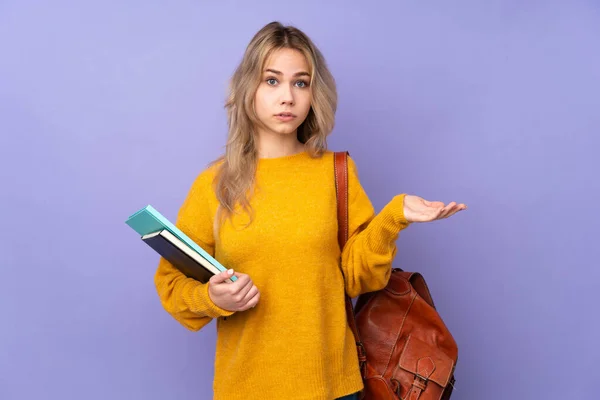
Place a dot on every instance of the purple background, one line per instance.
(108, 106)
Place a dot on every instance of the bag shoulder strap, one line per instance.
(341, 186)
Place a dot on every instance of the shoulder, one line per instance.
(205, 178)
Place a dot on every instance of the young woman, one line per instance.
(267, 210)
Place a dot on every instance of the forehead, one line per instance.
(288, 61)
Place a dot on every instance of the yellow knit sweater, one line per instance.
(295, 344)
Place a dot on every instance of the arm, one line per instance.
(186, 299)
(367, 256)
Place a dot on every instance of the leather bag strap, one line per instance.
(341, 185)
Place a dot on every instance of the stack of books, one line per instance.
(174, 245)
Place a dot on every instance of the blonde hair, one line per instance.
(234, 180)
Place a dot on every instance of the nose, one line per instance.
(287, 95)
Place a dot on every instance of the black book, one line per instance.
(185, 259)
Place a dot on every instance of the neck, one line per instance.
(273, 145)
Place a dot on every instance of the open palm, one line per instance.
(417, 209)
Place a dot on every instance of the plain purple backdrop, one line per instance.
(108, 106)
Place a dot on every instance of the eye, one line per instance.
(271, 81)
(301, 84)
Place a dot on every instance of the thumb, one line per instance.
(221, 277)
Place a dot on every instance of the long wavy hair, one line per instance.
(234, 180)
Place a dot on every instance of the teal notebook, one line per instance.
(149, 220)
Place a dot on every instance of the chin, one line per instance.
(284, 130)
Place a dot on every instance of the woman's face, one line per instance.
(282, 100)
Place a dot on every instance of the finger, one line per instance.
(221, 277)
(250, 295)
(460, 207)
(252, 302)
(454, 210)
(242, 281)
(445, 212)
(241, 297)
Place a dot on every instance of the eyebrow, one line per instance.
(274, 71)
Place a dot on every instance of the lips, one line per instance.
(285, 114)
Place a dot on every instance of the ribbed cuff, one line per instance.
(387, 225)
(393, 213)
(202, 303)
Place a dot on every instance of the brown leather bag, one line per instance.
(404, 348)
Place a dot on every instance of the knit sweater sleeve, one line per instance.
(371, 247)
(187, 299)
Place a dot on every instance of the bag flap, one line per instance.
(427, 361)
